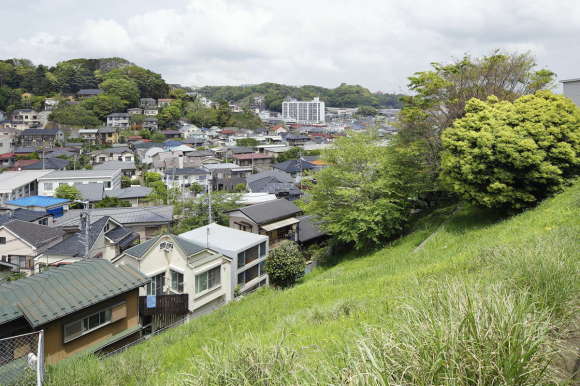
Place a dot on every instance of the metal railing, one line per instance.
(22, 359)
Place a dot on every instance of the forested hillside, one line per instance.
(344, 95)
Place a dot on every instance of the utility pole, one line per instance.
(85, 221)
(210, 182)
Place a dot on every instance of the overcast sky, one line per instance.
(375, 43)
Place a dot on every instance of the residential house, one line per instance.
(147, 222)
(197, 158)
(147, 102)
(309, 231)
(89, 135)
(22, 241)
(246, 250)
(41, 164)
(7, 140)
(33, 216)
(88, 306)
(226, 176)
(128, 168)
(185, 177)
(7, 160)
(171, 133)
(51, 205)
(150, 124)
(107, 135)
(19, 184)
(48, 183)
(274, 182)
(258, 162)
(135, 111)
(118, 120)
(571, 89)
(95, 192)
(50, 104)
(107, 239)
(150, 111)
(176, 266)
(275, 219)
(163, 102)
(147, 154)
(274, 150)
(296, 139)
(88, 92)
(112, 154)
(295, 167)
(27, 118)
(41, 138)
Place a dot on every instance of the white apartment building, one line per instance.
(303, 111)
(48, 183)
(20, 184)
(119, 120)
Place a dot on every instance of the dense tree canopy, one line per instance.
(125, 89)
(365, 194)
(504, 154)
(285, 264)
(74, 115)
(440, 95)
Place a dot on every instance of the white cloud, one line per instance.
(375, 43)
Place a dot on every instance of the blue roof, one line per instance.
(38, 201)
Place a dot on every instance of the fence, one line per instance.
(22, 359)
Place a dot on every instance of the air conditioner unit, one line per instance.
(165, 246)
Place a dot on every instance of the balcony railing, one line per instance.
(174, 304)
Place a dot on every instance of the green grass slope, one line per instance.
(485, 300)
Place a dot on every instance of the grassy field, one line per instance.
(486, 300)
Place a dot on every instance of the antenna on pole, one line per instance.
(85, 225)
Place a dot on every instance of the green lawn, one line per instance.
(448, 313)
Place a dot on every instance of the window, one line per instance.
(48, 186)
(208, 280)
(155, 286)
(252, 273)
(177, 281)
(107, 184)
(128, 158)
(263, 249)
(2, 240)
(94, 321)
(247, 256)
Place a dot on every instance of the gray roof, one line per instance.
(58, 292)
(120, 115)
(130, 192)
(270, 211)
(89, 91)
(112, 150)
(126, 216)
(23, 215)
(113, 165)
(186, 171)
(293, 166)
(50, 132)
(73, 246)
(276, 176)
(66, 174)
(92, 192)
(308, 229)
(118, 234)
(34, 234)
(187, 246)
(106, 130)
(49, 163)
(200, 153)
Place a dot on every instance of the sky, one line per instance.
(374, 43)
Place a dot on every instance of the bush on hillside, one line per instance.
(512, 155)
(285, 264)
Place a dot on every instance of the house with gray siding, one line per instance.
(572, 89)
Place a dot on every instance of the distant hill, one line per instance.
(344, 95)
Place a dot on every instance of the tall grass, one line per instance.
(483, 302)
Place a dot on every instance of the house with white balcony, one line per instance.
(246, 250)
(185, 177)
(47, 184)
(118, 120)
(177, 266)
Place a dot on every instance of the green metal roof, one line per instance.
(57, 292)
(187, 246)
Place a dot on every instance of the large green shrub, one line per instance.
(512, 155)
(285, 264)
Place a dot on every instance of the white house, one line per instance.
(47, 184)
(19, 184)
(119, 120)
(179, 266)
(184, 177)
(247, 250)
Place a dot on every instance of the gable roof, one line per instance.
(125, 216)
(58, 292)
(49, 163)
(294, 166)
(34, 234)
(114, 165)
(270, 211)
(308, 228)
(48, 132)
(130, 192)
(73, 246)
(23, 215)
(187, 171)
(187, 246)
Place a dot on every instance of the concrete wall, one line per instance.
(56, 349)
(572, 91)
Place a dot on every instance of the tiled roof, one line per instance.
(294, 166)
(126, 216)
(251, 156)
(23, 215)
(189, 247)
(270, 211)
(58, 292)
(73, 246)
(308, 229)
(34, 234)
